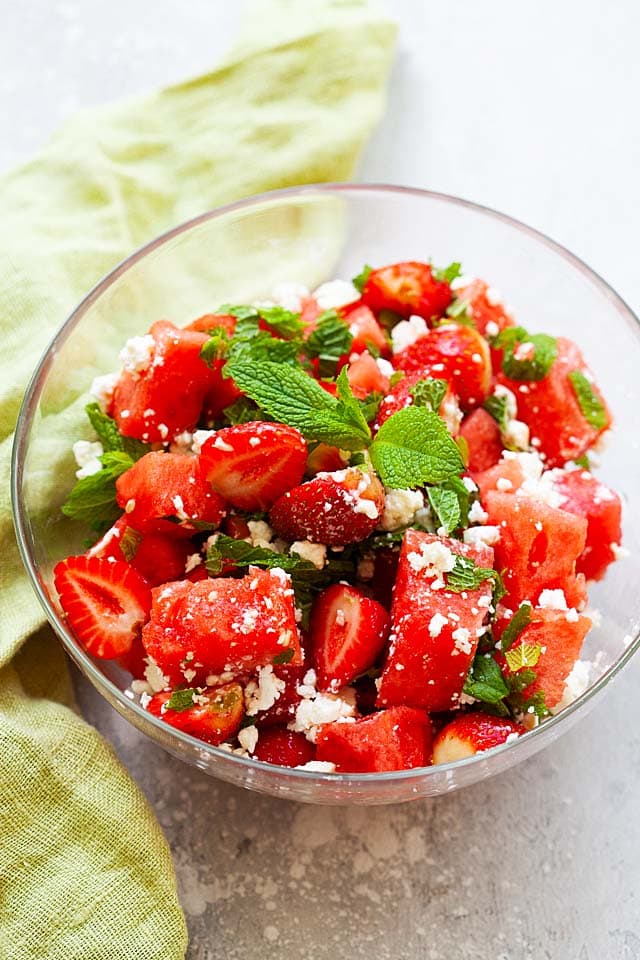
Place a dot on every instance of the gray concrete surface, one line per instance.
(531, 109)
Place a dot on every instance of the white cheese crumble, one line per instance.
(482, 535)
(136, 354)
(86, 454)
(407, 332)
(260, 534)
(552, 600)
(385, 368)
(575, 684)
(434, 559)
(315, 553)
(400, 507)
(323, 708)
(461, 282)
(221, 444)
(290, 295)
(493, 297)
(199, 439)
(451, 413)
(102, 389)
(317, 766)
(193, 560)
(154, 676)
(436, 624)
(248, 738)
(477, 514)
(462, 640)
(178, 505)
(263, 693)
(335, 293)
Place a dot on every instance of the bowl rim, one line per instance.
(81, 657)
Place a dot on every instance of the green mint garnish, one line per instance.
(129, 543)
(243, 554)
(445, 506)
(467, 576)
(285, 657)
(242, 410)
(109, 436)
(330, 340)
(591, 405)
(181, 700)
(360, 280)
(414, 447)
(447, 274)
(429, 393)
(519, 621)
(543, 349)
(93, 499)
(497, 407)
(485, 681)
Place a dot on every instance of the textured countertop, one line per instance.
(531, 109)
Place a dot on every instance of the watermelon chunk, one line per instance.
(586, 496)
(394, 739)
(482, 434)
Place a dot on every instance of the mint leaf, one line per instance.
(524, 655)
(370, 405)
(458, 311)
(285, 657)
(519, 621)
(242, 410)
(388, 319)
(429, 392)
(286, 323)
(593, 410)
(181, 700)
(583, 462)
(292, 397)
(497, 407)
(349, 409)
(445, 506)
(413, 447)
(485, 681)
(93, 499)
(447, 274)
(535, 367)
(244, 555)
(242, 312)
(360, 280)
(467, 576)
(216, 347)
(330, 340)
(110, 437)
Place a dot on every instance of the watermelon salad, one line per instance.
(345, 531)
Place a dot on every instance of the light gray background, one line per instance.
(532, 109)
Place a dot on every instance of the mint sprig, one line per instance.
(447, 274)
(484, 681)
(466, 575)
(543, 350)
(519, 621)
(93, 499)
(110, 437)
(243, 554)
(330, 340)
(360, 280)
(593, 410)
(181, 700)
(414, 447)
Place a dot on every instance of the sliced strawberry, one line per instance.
(214, 718)
(489, 315)
(365, 329)
(324, 459)
(434, 630)
(484, 442)
(394, 739)
(284, 748)
(348, 633)
(456, 353)
(472, 733)
(221, 625)
(333, 508)
(365, 377)
(400, 396)
(407, 288)
(105, 603)
(252, 464)
(168, 485)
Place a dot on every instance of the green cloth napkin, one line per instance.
(85, 871)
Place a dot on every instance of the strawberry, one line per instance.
(365, 329)
(484, 442)
(156, 557)
(165, 394)
(333, 508)
(252, 464)
(324, 459)
(221, 625)
(434, 632)
(105, 603)
(160, 486)
(407, 288)
(214, 718)
(365, 377)
(284, 748)
(394, 739)
(348, 633)
(472, 733)
(455, 353)
(400, 396)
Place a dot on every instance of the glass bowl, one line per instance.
(311, 234)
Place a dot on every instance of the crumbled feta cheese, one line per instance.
(248, 738)
(436, 624)
(193, 560)
(260, 534)
(482, 535)
(290, 295)
(477, 514)
(619, 552)
(493, 297)
(385, 368)
(516, 434)
(575, 684)
(323, 708)
(407, 332)
(102, 389)
(451, 413)
(136, 354)
(400, 508)
(462, 640)
(181, 443)
(221, 444)
(434, 559)
(263, 693)
(317, 766)
(503, 484)
(139, 687)
(315, 553)
(459, 283)
(154, 676)
(552, 600)
(492, 329)
(178, 505)
(368, 507)
(335, 293)
(199, 439)
(86, 454)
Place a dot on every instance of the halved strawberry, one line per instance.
(214, 718)
(472, 733)
(394, 739)
(348, 632)
(223, 624)
(456, 353)
(252, 464)
(365, 329)
(365, 377)
(407, 288)
(324, 459)
(284, 747)
(333, 508)
(160, 486)
(105, 603)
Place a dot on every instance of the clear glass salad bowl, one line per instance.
(311, 234)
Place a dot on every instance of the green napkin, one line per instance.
(293, 103)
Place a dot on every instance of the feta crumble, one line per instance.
(102, 389)
(199, 438)
(436, 624)
(434, 559)
(248, 738)
(315, 553)
(261, 694)
(407, 332)
(400, 507)
(335, 293)
(323, 708)
(290, 295)
(86, 455)
(482, 535)
(136, 354)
